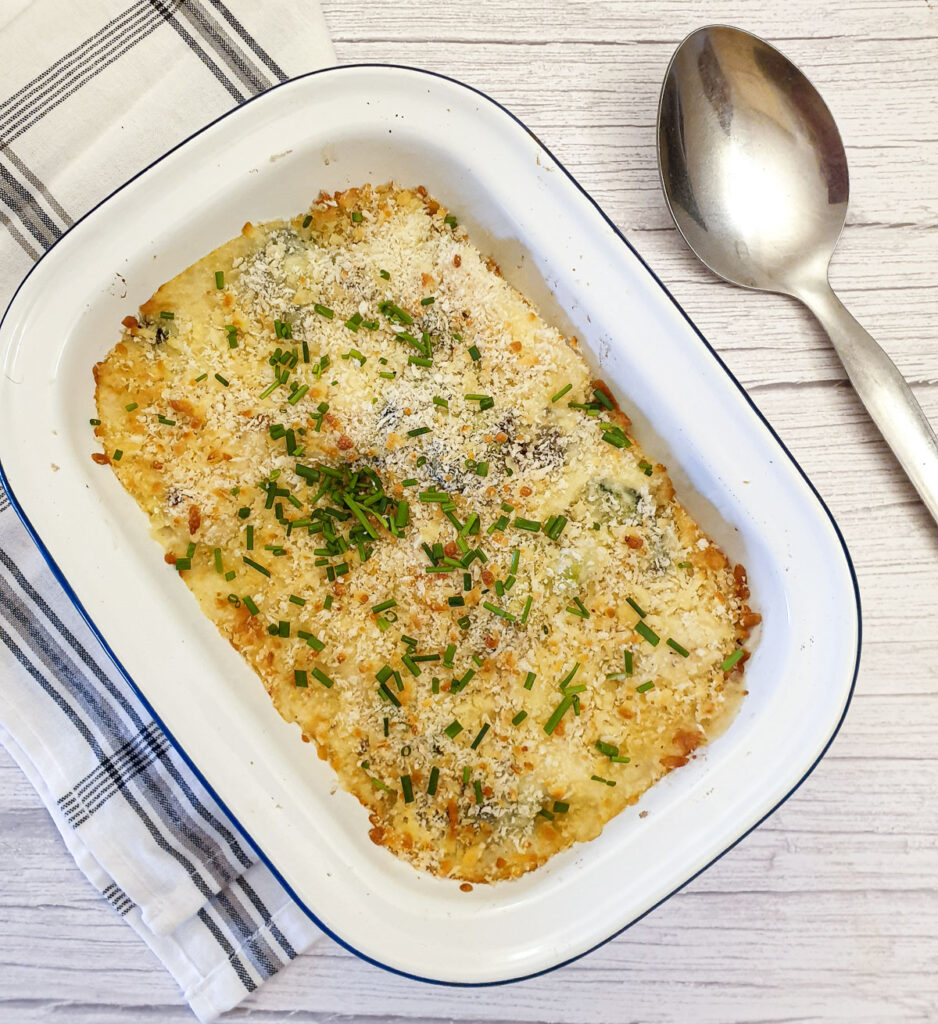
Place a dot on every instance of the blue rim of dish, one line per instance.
(57, 573)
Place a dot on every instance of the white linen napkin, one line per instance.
(90, 93)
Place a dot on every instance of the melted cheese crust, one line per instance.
(181, 399)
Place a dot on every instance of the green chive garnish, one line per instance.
(323, 310)
(131, 407)
(532, 525)
(434, 779)
(221, 380)
(732, 659)
(551, 724)
(255, 565)
(637, 607)
(453, 729)
(219, 279)
(417, 432)
(645, 687)
(299, 677)
(322, 677)
(166, 315)
(250, 605)
(356, 216)
(307, 220)
(529, 680)
(519, 718)
(385, 275)
(428, 301)
(500, 612)
(561, 393)
(480, 736)
(675, 646)
(408, 789)
(118, 455)
(649, 634)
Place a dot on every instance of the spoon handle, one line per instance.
(884, 392)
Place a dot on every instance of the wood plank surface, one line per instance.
(829, 911)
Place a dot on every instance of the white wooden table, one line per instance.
(829, 911)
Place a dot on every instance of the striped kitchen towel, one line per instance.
(90, 93)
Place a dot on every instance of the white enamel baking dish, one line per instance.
(269, 158)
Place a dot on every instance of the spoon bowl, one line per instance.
(755, 175)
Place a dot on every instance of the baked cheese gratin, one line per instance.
(397, 491)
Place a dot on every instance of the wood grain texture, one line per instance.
(829, 911)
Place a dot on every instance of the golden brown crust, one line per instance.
(208, 442)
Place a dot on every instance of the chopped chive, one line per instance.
(603, 398)
(428, 301)
(356, 216)
(474, 353)
(527, 608)
(684, 565)
(255, 565)
(448, 655)
(118, 455)
(482, 469)
(519, 718)
(637, 607)
(307, 220)
(300, 677)
(131, 407)
(605, 782)
(221, 380)
(297, 600)
(456, 601)
(561, 393)
(480, 736)
(732, 659)
(609, 749)
(532, 525)
(165, 314)
(250, 605)
(529, 680)
(551, 724)
(283, 628)
(249, 538)
(450, 220)
(94, 422)
(219, 279)
(323, 310)
(201, 377)
(580, 610)
(322, 677)
(434, 779)
(183, 563)
(389, 694)
(465, 775)
(675, 646)
(327, 603)
(500, 612)
(218, 566)
(568, 678)
(560, 807)
(627, 661)
(385, 275)
(453, 729)
(544, 813)
(649, 634)
(645, 687)
(383, 607)
(408, 789)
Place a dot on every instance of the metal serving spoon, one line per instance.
(755, 175)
